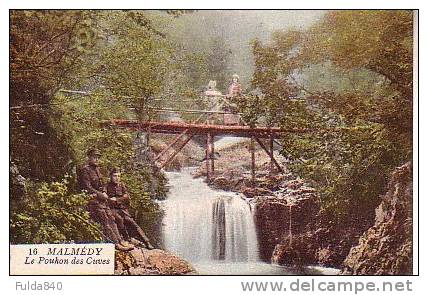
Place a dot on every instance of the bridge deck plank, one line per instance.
(215, 130)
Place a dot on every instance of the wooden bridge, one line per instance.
(186, 131)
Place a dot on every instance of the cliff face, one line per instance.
(386, 247)
(141, 261)
(293, 231)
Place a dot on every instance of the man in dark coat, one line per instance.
(90, 180)
(119, 203)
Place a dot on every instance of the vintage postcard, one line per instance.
(212, 142)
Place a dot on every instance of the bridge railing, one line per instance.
(217, 112)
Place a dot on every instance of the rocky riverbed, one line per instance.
(293, 230)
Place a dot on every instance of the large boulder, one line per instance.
(141, 261)
(386, 247)
(319, 244)
(296, 250)
(285, 214)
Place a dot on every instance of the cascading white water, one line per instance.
(214, 230)
(202, 224)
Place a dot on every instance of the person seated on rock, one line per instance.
(90, 181)
(119, 203)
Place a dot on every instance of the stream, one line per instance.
(214, 230)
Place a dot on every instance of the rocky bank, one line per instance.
(293, 230)
(141, 261)
(386, 247)
(291, 227)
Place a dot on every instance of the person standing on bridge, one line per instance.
(212, 90)
(90, 181)
(235, 88)
(213, 98)
(118, 203)
(234, 91)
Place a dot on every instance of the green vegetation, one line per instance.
(127, 65)
(80, 123)
(349, 78)
(51, 213)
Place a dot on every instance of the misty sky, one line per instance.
(237, 28)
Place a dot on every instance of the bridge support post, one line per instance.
(209, 156)
(253, 160)
(171, 157)
(212, 154)
(271, 153)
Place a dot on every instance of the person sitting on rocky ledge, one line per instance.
(119, 202)
(90, 181)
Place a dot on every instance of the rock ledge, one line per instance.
(141, 261)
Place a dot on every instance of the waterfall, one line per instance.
(218, 234)
(214, 230)
(202, 224)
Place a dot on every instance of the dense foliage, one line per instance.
(126, 63)
(348, 79)
(44, 48)
(80, 122)
(51, 213)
